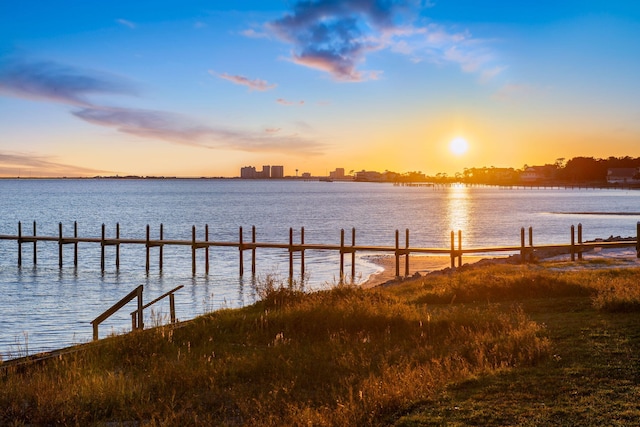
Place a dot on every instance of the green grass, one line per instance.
(497, 345)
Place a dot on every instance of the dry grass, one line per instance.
(345, 357)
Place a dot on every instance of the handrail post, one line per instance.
(140, 313)
(172, 307)
(530, 243)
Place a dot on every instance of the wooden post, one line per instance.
(206, 249)
(459, 248)
(35, 245)
(353, 254)
(580, 241)
(161, 252)
(406, 255)
(172, 307)
(530, 243)
(102, 251)
(397, 253)
(573, 242)
(140, 305)
(19, 244)
(638, 239)
(523, 253)
(241, 252)
(253, 250)
(453, 250)
(193, 250)
(75, 244)
(60, 244)
(302, 253)
(148, 247)
(290, 254)
(118, 246)
(341, 255)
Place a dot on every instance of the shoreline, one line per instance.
(426, 264)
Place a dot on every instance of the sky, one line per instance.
(197, 88)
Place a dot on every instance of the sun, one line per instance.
(458, 146)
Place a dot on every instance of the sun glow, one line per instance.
(458, 146)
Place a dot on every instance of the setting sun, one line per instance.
(458, 146)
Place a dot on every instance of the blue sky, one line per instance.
(202, 88)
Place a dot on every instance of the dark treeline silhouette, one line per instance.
(578, 170)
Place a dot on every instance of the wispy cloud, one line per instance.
(283, 101)
(336, 36)
(126, 23)
(175, 128)
(25, 164)
(255, 84)
(50, 81)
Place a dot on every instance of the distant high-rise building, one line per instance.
(337, 174)
(248, 172)
(266, 172)
(277, 171)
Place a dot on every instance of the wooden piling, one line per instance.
(573, 243)
(523, 252)
(118, 246)
(406, 255)
(193, 250)
(253, 250)
(530, 244)
(161, 249)
(35, 245)
(75, 244)
(459, 248)
(638, 239)
(206, 248)
(453, 250)
(241, 252)
(341, 254)
(60, 244)
(580, 242)
(302, 253)
(19, 244)
(148, 248)
(353, 254)
(102, 244)
(397, 253)
(290, 254)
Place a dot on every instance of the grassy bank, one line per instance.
(500, 345)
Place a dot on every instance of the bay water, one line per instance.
(45, 307)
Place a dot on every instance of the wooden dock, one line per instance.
(455, 251)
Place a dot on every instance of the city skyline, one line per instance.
(202, 89)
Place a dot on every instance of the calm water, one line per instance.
(45, 307)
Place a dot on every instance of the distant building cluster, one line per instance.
(267, 172)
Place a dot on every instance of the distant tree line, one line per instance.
(576, 170)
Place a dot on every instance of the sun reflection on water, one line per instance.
(458, 208)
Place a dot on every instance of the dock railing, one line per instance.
(526, 249)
